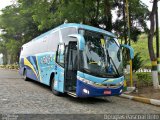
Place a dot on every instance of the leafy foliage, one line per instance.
(144, 79)
(27, 19)
(137, 62)
(138, 14)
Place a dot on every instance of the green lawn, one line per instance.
(139, 82)
(142, 46)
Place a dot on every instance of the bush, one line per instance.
(7, 66)
(147, 66)
(2, 66)
(12, 66)
(137, 62)
(15, 66)
(144, 79)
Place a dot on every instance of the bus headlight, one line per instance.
(85, 80)
(121, 83)
(120, 91)
(86, 91)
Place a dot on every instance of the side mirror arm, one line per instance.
(130, 49)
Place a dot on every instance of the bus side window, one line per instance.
(60, 55)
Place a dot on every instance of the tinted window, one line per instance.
(60, 55)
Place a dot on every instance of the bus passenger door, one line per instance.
(71, 67)
(59, 69)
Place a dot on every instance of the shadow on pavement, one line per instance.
(89, 100)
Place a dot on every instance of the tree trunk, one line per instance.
(157, 40)
(108, 15)
(150, 46)
(4, 58)
(83, 19)
(124, 19)
(97, 9)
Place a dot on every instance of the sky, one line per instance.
(149, 4)
(4, 3)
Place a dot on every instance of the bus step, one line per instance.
(73, 94)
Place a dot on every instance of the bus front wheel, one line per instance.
(55, 92)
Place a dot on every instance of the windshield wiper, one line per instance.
(110, 58)
(97, 74)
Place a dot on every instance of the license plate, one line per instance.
(107, 92)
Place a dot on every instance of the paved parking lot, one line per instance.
(21, 97)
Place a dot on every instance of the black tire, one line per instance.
(25, 75)
(55, 92)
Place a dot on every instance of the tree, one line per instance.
(48, 14)
(137, 62)
(27, 19)
(138, 14)
(150, 46)
(3, 50)
(18, 28)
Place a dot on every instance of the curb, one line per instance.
(142, 99)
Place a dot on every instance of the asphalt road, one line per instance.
(25, 97)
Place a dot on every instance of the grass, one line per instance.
(139, 82)
(141, 46)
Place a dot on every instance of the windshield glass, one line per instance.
(101, 56)
(115, 54)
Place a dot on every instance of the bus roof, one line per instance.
(87, 27)
(77, 26)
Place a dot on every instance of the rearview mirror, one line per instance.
(131, 50)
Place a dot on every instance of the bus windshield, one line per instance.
(102, 55)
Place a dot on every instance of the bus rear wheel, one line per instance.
(25, 75)
(55, 92)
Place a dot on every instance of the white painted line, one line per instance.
(127, 96)
(4, 99)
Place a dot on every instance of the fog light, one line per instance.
(120, 91)
(86, 91)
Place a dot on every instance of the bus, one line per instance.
(77, 59)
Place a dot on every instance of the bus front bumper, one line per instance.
(87, 90)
